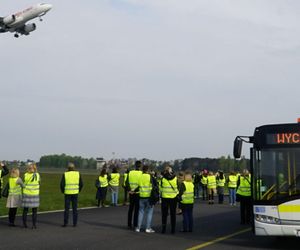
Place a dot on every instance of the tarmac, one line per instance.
(215, 227)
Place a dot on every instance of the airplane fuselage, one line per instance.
(30, 13)
(17, 22)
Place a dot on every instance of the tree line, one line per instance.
(227, 164)
(61, 161)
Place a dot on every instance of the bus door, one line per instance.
(277, 179)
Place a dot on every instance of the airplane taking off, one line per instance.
(17, 22)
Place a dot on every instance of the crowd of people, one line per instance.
(143, 188)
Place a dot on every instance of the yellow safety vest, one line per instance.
(14, 188)
(211, 181)
(32, 184)
(133, 179)
(232, 181)
(103, 181)
(204, 180)
(145, 186)
(72, 182)
(115, 179)
(221, 182)
(244, 188)
(188, 195)
(169, 188)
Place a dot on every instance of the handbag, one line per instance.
(5, 190)
(154, 195)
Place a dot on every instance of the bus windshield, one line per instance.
(276, 174)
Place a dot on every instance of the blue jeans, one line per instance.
(68, 199)
(146, 208)
(114, 198)
(187, 214)
(232, 195)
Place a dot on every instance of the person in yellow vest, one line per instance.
(145, 185)
(203, 181)
(186, 196)
(102, 184)
(114, 182)
(244, 192)
(169, 192)
(125, 175)
(220, 186)
(31, 194)
(211, 187)
(232, 185)
(132, 183)
(14, 199)
(71, 185)
(3, 171)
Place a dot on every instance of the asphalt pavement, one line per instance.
(215, 227)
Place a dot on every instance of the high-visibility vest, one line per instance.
(221, 182)
(72, 182)
(145, 185)
(32, 184)
(14, 188)
(244, 188)
(103, 181)
(204, 180)
(188, 195)
(232, 181)
(133, 179)
(211, 181)
(115, 179)
(169, 188)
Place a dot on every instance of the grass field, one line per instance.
(51, 197)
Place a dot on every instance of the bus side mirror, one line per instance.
(237, 147)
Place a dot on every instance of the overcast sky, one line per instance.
(161, 79)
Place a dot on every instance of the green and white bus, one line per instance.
(275, 178)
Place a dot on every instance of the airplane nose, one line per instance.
(49, 6)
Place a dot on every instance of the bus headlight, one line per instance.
(267, 219)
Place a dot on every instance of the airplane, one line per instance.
(17, 22)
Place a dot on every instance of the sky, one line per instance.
(150, 79)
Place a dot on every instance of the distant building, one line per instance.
(100, 163)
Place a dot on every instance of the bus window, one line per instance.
(277, 174)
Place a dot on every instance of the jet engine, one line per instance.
(9, 19)
(29, 28)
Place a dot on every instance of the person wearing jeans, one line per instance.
(232, 185)
(71, 185)
(145, 186)
(114, 181)
(186, 196)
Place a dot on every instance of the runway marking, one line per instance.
(219, 239)
(53, 211)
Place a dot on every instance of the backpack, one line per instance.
(154, 195)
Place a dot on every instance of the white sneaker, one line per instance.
(149, 230)
(137, 230)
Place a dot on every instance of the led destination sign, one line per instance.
(283, 138)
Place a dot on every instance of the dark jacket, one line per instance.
(4, 172)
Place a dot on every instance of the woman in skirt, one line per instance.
(31, 194)
(14, 199)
